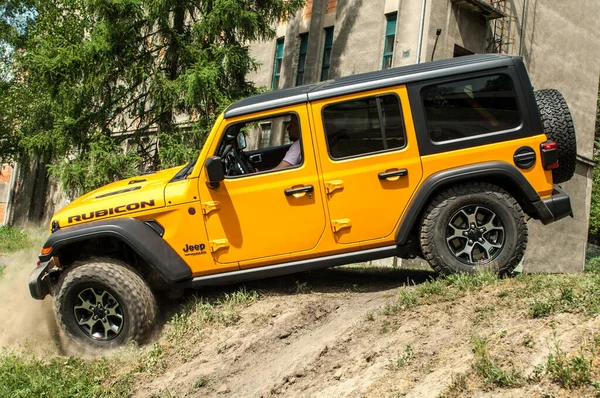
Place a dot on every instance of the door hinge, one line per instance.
(340, 224)
(331, 186)
(207, 207)
(218, 244)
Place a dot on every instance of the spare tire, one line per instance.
(558, 126)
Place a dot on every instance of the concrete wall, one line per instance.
(355, 23)
(459, 25)
(561, 49)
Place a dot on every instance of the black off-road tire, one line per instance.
(558, 126)
(114, 281)
(487, 200)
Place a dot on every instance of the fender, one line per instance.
(135, 234)
(490, 171)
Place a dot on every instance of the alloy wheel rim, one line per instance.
(98, 314)
(475, 235)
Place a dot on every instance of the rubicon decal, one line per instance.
(108, 212)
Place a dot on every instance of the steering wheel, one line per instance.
(243, 167)
(229, 161)
(236, 162)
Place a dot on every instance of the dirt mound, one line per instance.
(353, 331)
(25, 321)
(355, 335)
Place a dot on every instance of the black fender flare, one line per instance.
(134, 233)
(493, 172)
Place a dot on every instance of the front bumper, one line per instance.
(555, 207)
(40, 281)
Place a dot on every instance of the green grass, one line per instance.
(552, 294)
(2, 267)
(200, 311)
(432, 290)
(593, 265)
(569, 372)
(13, 239)
(152, 361)
(23, 375)
(490, 371)
(402, 359)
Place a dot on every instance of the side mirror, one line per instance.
(241, 140)
(214, 171)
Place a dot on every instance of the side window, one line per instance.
(364, 126)
(470, 107)
(260, 145)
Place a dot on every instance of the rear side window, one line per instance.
(364, 126)
(470, 107)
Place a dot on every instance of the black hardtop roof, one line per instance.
(368, 81)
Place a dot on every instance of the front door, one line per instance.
(370, 162)
(260, 214)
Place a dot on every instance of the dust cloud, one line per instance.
(25, 322)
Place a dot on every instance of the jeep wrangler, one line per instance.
(443, 160)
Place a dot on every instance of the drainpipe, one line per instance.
(421, 27)
(11, 187)
(522, 27)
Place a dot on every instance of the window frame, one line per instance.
(302, 62)
(478, 136)
(258, 119)
(366, 154)
(389, 54)
(277, 64)
(525, 103)
(327, 45)
(263, 130)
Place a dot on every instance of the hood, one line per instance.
(118, 199)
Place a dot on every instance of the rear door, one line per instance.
(370, 162)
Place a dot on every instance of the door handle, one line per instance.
(256, 158)
(384, 175)
(296, 191)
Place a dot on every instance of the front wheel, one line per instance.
(104, 304)
(473, 226)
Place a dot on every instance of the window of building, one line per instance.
(265, 135)
(277, 65)
(470, 107)
(390, 40)
(302, 59)
(327, 53)
(363, 126)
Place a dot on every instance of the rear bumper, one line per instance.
(555, 207)
(39, 281)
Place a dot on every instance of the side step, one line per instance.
(289, 268)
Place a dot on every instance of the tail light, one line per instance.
(549, 151)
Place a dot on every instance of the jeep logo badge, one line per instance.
(194, 249)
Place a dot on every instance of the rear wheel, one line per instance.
(104, 304)
(558, 126)
(473, 226)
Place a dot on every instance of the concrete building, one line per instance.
(558, 41)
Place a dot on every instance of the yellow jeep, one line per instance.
(442, 160)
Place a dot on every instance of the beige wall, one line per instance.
(561, 48)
